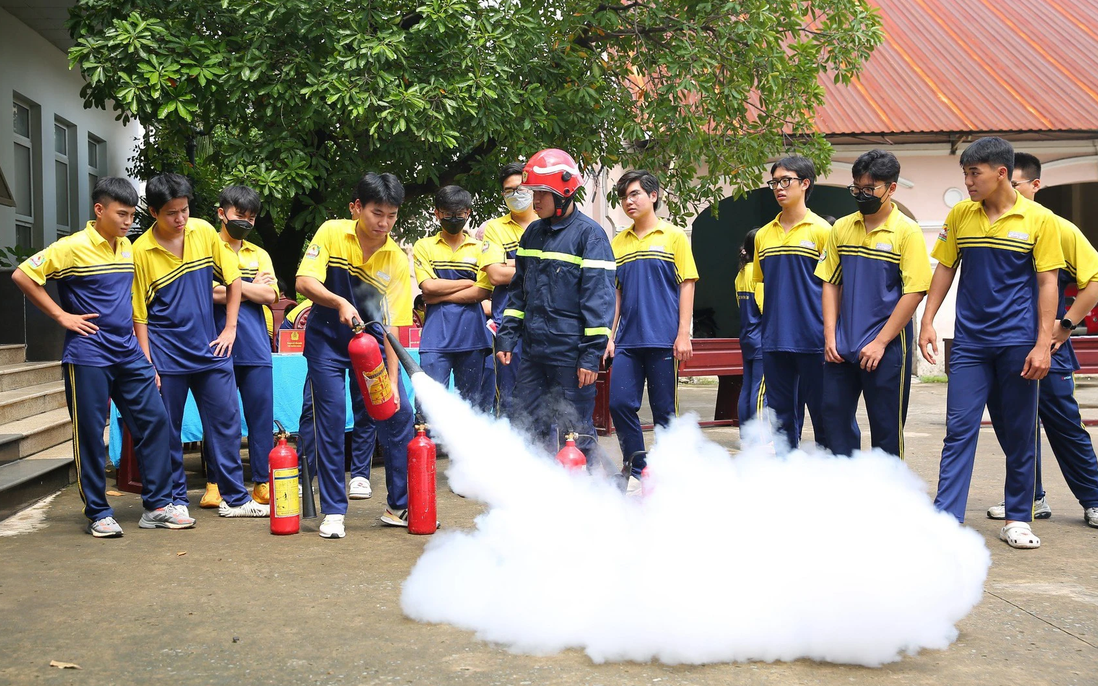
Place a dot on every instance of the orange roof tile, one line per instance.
(973, 65)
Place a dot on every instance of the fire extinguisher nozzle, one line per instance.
(406, 360)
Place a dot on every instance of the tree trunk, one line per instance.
(285, 248)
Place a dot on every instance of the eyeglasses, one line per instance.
(1015, 184)
(863, 190)
(782, 182)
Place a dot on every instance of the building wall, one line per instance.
(37, 74)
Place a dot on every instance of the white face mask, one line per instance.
(520, 200)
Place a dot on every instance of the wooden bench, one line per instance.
(1086, 349)
(719, 357)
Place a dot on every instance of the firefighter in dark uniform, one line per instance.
(561, 307)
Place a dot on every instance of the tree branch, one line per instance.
(462, 165)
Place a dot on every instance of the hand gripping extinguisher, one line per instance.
(285, 503)
(570, 456)
(422, 513)
(373, 378)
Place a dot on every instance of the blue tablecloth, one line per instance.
(289, 380)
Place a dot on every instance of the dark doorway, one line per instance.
(716, 242)
(1077, 202)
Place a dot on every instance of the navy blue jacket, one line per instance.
(562, 302)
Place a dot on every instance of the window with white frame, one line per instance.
(23, 186)
(97, 164)
(63, 173)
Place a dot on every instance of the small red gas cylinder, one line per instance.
(285, 501)
(646, 483)
(422, 512)
(570, 456)
(373, 378)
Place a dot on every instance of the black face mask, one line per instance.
(238, 229)
(452, 225)
(868, 204)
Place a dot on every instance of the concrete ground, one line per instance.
(227, 603)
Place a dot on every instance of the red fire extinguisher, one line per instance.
(285, 501)
(570, 456)
(373, 378)
(422, 513)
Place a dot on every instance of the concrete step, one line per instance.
(39, 432)
(12, 354)
(9, 447)
(34, 477)
(31, 400)
(23, 374)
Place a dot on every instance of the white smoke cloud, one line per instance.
(739, 558)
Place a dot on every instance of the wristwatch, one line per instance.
(1067, 324)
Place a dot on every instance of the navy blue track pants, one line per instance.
(982, 376)
(214, 393)
(132, 387)
(632, 369)
(887, 390)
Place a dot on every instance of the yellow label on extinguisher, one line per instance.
(287, 502)
(378, 385)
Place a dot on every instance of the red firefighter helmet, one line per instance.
(552, 170)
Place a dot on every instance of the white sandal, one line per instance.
(1019, 535)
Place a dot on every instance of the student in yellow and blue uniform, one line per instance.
(501, 241)
(561, 308)
(238, 207)
(353, 265)
(102, 360)
(875, 271)
(1006, 303)
(749, 297)
(175, 262)
(655, 301)
(289, 320)
(786, 253)
(454, 337)
(1057, 407)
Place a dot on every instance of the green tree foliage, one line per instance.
(302, 96)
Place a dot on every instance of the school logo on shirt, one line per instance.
(312, 252)
(485, 246)
(254, 265)
(884, 246)
(470, 260)
(943, 235)
(808, 244)
(37, 260)
(126, 253)
(823, 256)
(1018, 236)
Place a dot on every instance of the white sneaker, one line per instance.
(248, 509)
(1041, 510)
(359, 488)
(332, 527)
(397, 518)
(105, 528)
(182, 509)
(1090, 516)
